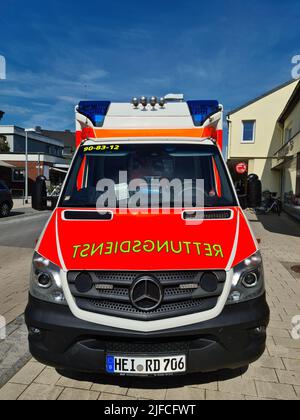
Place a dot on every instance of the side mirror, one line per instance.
(253, 196)
(254, 191)
(40, 200)
(39, 194)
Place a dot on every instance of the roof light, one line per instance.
(153, 101)
(144, 101)
(202, 110)
(162, 102)
(135, 102)
(95, 111)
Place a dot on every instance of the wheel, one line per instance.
(4, 210)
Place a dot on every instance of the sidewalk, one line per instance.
(20, 209)
(275, 376)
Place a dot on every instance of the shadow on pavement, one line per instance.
(158, 382)
(283, 225)
(14, 214)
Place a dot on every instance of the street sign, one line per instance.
(241, 168)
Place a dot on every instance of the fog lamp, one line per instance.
(235, 297)
(59, 297)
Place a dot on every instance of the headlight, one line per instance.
(248, 280)
(45, 282)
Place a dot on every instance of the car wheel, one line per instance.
(4, 210)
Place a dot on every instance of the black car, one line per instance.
(6, 202)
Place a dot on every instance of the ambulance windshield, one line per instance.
(145, 175)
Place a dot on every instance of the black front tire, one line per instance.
(4, 210)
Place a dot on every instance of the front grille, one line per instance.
(147, 348)
(154, 347)
(110, 294)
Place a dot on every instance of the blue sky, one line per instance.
(59, 52)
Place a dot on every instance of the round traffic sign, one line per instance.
(241, 168)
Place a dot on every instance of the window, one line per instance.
(248, 131)
(288, 134)
(18, 175)
(150, 163)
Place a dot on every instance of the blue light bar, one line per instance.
(201, 110)
(94, 111)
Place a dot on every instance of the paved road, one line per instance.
(18, 236)
(22, 232)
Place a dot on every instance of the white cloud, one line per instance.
(93, 75)
(15, 110)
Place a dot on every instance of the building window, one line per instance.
(288, 134)
(248, 131)
(18, 175)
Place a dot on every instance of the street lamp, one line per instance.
(27, 130)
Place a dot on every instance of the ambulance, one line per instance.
(148, 266)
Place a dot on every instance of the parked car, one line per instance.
(6, 202)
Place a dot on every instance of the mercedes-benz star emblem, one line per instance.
(146, 294)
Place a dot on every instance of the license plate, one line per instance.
(145, 365)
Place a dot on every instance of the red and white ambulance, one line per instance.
(128, 277)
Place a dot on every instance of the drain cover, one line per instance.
(296, 269)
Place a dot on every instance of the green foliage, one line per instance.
(4, 146)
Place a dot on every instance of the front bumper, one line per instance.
(231, 340)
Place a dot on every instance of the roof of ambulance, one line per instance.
(151, 140)
(172, 115)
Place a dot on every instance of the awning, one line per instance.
(58, 170)
(6, 165)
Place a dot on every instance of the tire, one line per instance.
(4, 210)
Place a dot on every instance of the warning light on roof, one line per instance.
(202, 110)
(95, 111)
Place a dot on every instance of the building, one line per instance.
(286, 161)
(44, 153)
(67, 137)
(255, 136)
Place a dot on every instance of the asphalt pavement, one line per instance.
(22, 231)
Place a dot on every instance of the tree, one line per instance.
(4, 146)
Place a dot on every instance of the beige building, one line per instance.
(255, 136)
(286, 160)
